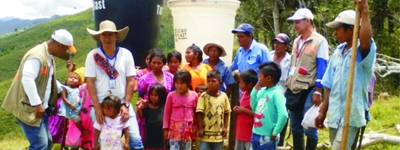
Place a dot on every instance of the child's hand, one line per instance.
(97, 147)
(200, 132)
(224, 132)
(238, 109)
(274, 137)
(72, 107)
(258, 86)
(165, 134)
(126, 146)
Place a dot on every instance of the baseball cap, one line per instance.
(282, 38)
(244, 28)
(344, 17)
(63, 37)
(302, 13)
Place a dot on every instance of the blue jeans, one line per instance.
(39, 137)
(211, 145)
(259, 142)
(135, 141)
(297, 117)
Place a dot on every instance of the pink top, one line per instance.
(142, 72)
(179, 107)
(147, 80)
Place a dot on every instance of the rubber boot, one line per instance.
(298, 141)
(283, 134)
(311, 144)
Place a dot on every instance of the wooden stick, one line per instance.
(351, 80)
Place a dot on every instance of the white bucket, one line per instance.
(204, 21)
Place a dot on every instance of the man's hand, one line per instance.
(124, 114)
(126, 146)
(362, 4)
(224, 132)
(99, 115)
(316, 99)
(319, 121)
(39, 111)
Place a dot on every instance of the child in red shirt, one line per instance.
(245, 116)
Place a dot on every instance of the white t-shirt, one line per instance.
(111, 133)
(124, 65)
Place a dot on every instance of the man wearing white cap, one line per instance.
(110, 70)
(336, 76)
(309, 59)
(33, 92)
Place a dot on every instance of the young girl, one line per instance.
(179, 112)
(156, 75)
(174, 60)
(72, 102)
(111, 130)
(153, 114)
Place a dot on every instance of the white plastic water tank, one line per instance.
(204, 21)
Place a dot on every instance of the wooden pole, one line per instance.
(351, 80)
(234, 102)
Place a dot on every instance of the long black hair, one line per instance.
(161, 92)
(197, 50)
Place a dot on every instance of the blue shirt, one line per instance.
(226, 74)
(336, 79)
(257, 54)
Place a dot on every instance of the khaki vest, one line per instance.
(308, 59)
(16, 101)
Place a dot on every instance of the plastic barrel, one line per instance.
(204, 21)
(143, 18)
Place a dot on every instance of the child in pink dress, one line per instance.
(179, 112)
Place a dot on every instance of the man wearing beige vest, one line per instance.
(33, 91)
(309, 60)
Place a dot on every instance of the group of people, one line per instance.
(187, 106)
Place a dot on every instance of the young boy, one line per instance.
(268, 103)
(201, 88)
(245, 117)
(212, 114)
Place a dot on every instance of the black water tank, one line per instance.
(143, 18)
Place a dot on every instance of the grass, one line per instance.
(385, 115)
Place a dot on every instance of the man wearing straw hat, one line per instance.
(336, 77)
(310, 55)
(33, 92)
(110, 70)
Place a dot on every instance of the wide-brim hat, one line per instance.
(109, 26)
(207, 47)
